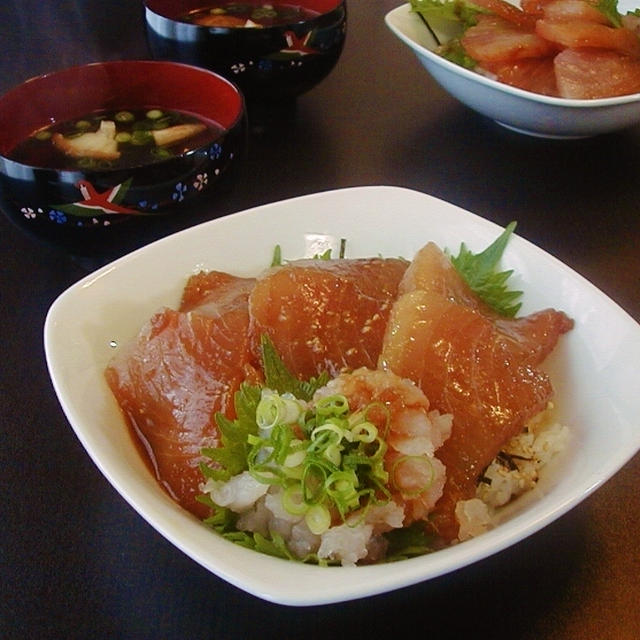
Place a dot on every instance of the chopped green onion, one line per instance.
(277, 409)
(341, 487)
(293, 502)
(161, 152)
(417, 467)
(364, 432)
(43, 134)
(141, 137)
(154, 114)
(333, 453)
(335, 405)
(124, 116)
(318, 519)
(276, 260)
(123, 136)
(83, 125)
(327, 432)
(313, 479)
(161, 123)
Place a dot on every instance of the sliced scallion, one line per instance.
(318, 519)
(124, 117)
(418, 475)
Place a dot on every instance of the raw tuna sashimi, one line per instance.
(326, 315)
(569, 10)
(182, 368)
(531, 74)
(534, 7)
(494, 39)
(581, 34)
(507, 11)
(564, 48)
(211, 290)
(594, 73)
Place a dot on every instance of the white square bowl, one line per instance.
(594, 371)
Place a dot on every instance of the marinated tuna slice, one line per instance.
(210, 291)
(471, 363)
(181, 369)
(595, 73)
(325, 315)
(432, 270)
(536, 334)
(494, 39)
(466, 367)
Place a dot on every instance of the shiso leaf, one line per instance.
(480, 273)
(276, 260)
(279, 378)
(609, 8)
(230, 457)
(408, 542)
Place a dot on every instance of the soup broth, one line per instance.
(244, 14)
(115, 139)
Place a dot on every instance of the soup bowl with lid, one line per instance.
(77, 190)
(270, 54)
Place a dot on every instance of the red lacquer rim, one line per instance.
(125, 84)
(175, 9)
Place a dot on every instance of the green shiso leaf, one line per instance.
(276, 260)
(279, 378)
(325, 255)
(230, 457)
(610, 10)
(273, 546)
(479, 271)
(408, 542)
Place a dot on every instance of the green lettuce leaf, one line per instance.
(462, 11)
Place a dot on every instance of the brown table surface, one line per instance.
(77, 562)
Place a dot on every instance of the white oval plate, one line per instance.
(594, 371)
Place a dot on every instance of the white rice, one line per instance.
(346, 543)
(513, 472)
